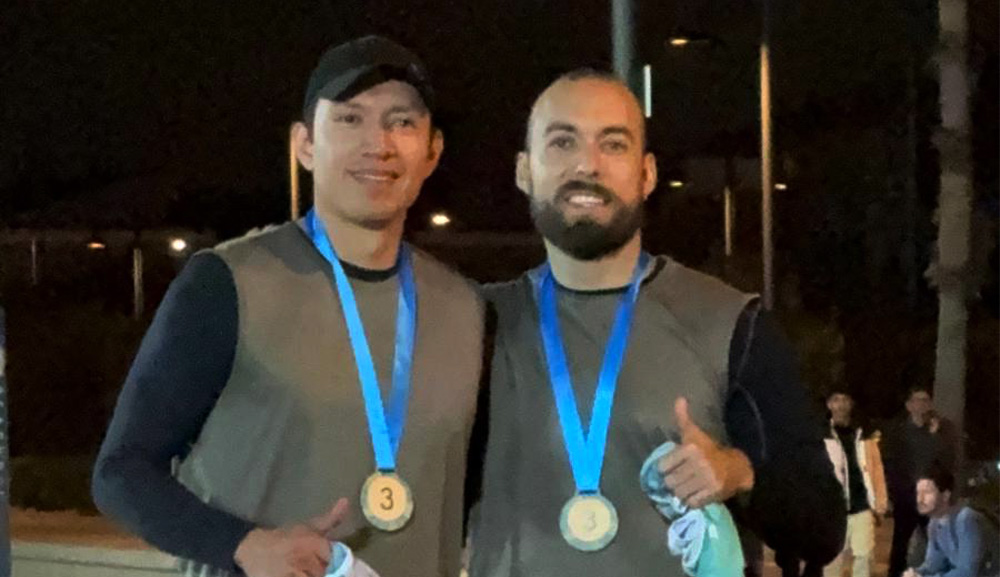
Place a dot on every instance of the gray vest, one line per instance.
(679, 346)
(289, 436)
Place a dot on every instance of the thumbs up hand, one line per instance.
(329, 522)
(302, 550)
(701, 471)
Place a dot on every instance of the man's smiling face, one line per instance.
(370, 155)
(585, 171)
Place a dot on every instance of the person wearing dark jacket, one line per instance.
(912, 444)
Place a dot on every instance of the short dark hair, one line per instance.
(584, 73)
(942, 478)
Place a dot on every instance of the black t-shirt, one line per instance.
(859, 494)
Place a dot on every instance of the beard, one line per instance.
(585, 238)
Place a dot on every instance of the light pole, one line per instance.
(34, 261)
(293, 176)
(727, 202)
(138, 294)
(728, 206)
(623, 39)
(766, 151)
(766, 155)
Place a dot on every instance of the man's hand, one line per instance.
(336, 523)
(911, 572)
(301, 550)
(700, 471)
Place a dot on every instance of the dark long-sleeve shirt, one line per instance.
(796, 505)
(909, 452)
(182, 366)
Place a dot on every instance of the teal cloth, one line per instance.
(705, 539)
(344, 564)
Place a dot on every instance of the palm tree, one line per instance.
(950, 267)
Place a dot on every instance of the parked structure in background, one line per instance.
(37, 256)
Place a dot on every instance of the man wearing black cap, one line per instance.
(314, 364)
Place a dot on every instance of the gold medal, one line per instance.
(588, 522)
(386, 501)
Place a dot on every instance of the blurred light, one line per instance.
(647, 85)
(679, 41)
(178, 245)
(96, 245)
(676, 183)
(440, 219)
(780, 186)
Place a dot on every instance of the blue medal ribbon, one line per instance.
(385, 427)
(585, 452)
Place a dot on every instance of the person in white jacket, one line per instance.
(857, 463)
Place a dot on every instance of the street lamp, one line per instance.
(440, 219)
(96, 243)
(178, 245)
(766, 147)
(676, 184)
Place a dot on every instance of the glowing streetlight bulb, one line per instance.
(680, 41)
(440, 219)
(676, 184)
(178, 245)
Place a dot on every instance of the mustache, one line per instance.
(570, 186)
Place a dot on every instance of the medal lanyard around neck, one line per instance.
(386, 428)
(586, 453)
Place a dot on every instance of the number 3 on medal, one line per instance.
(588, 522)
(386, 501)
(386, 504)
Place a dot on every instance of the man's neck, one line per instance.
(918, 421)
(843, 424)
(610, 272)
(947, 511)
(363, 247)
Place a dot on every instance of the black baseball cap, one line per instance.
(349, 69)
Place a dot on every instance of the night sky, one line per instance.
(179, 110)
(199, 96)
